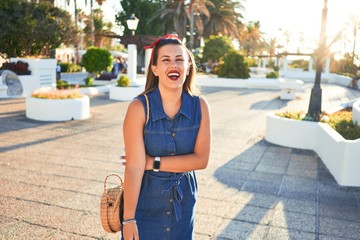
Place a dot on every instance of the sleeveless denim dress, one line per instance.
(166, 205)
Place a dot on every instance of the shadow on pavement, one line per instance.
(284, 193)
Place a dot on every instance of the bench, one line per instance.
(289, 87)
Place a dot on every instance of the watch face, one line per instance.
(156, 165)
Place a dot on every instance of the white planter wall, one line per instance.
(340, 156)
(356, 112)
(125, 93)
(57, 109)
(43, 74)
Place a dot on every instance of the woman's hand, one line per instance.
(130, 231)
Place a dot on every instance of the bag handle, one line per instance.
(147, 108)
(116, 175)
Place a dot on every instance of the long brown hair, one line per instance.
(152, 81)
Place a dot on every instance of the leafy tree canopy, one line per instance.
(216, 47)
(33, 29)
(96, 60)
(144, 10)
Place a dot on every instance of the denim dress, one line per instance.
(167, 200)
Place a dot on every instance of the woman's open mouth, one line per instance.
(174, 75)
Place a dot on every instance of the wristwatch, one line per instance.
(156, 165)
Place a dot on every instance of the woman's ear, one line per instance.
(154, 70)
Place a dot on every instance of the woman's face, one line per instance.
(172, 66)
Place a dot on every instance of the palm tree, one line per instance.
(250, 38)
(181, 13)
(224, 18)
(354, 25)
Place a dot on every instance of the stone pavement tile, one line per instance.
(15, 208)
(255, 199)
(342, 211)
(285, 234)
(266, 168)
(261, 187)
(216, 208)
(301, 172)
(300, 193)
(207, 225)
(295, 181)
(23, 230)
(323, 237)
(69, 236)
(49, 216)
(294, 221)
(232, 177)
(88, 224)
(339, 228)
(282, 157)
(252, 214)
(304, 161)
(339, 197)
(296, 205)
(266, 177)
(241, 230)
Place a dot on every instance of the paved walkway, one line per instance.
(52, 173)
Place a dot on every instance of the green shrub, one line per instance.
(123, 81)
(340, 121)
(233, 66)
(89, 81)
(96, 60)
(272, 75)
(70, 67)
(61, 84)
(216, 47)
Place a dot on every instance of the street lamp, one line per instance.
(132, 23)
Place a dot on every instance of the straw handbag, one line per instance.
(112, 206)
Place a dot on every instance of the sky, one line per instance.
(301, 18)
(297, 18)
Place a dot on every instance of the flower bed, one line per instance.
(340, 156)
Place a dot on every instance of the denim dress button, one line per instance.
(168, 212)
(167, 229)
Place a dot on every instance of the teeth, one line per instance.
(174, 75)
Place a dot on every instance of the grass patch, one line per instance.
(340, 121)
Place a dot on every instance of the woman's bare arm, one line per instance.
(135, 156)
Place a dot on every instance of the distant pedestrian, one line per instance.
(58, 71)
(163, 152)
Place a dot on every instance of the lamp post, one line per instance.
(316, 92)
(132, 23)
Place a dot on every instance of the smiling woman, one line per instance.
(163, 153)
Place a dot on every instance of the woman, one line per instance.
(163, 152)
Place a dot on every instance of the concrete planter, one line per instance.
(340, 156)
(43, 74)
(356, 112)
(57, 109)
(125, 93)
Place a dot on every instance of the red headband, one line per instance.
(154, 44)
